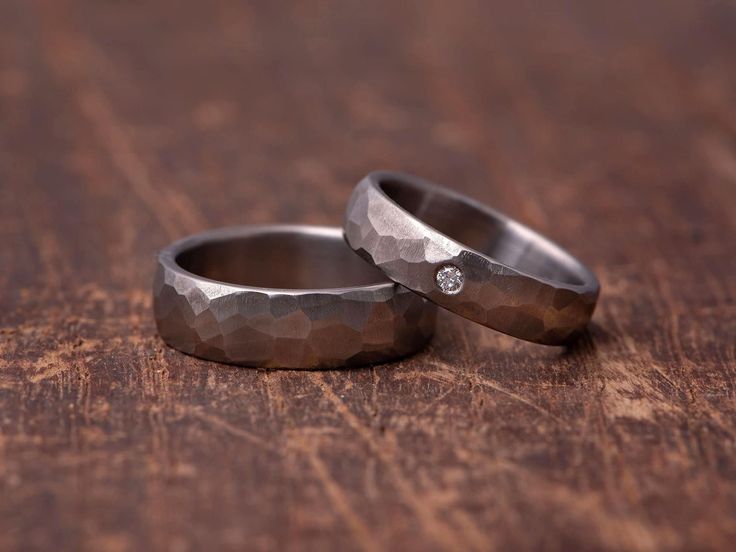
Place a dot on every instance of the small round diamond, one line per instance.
(450, 279)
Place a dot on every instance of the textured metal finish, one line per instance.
(512, 279)
(326, 308)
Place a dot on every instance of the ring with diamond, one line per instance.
(469, 258)
(283, 296)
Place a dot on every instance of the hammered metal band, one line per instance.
(283, 297)
(470, 259)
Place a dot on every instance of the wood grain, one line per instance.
(610, 126)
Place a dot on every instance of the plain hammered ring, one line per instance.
(469, 258)
(283, 296)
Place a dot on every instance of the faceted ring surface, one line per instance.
(283, 297)
(469, 258)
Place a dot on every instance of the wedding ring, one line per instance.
(469, 258)
(286, 297)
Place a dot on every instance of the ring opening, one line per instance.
(502, 240)
(285, 260)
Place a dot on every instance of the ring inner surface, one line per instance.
(466, 224)
(284, 260)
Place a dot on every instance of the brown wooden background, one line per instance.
(610, 126)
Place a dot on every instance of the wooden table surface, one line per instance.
(609, 126)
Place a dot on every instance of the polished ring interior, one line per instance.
(469, 258)
(283, 296)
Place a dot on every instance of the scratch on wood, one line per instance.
(216, 421)
(448, 374)
(422, 505)
(341, 502)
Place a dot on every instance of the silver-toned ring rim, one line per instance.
(168, 256)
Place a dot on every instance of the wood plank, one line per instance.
(610, 126)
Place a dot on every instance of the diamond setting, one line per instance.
(449, 279)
